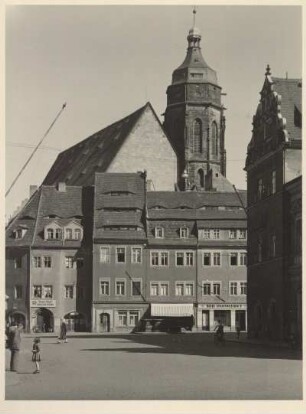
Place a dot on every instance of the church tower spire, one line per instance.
(194, 117)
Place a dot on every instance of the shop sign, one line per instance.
(222, 306)
(43, 303)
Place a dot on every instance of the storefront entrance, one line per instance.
(104, 322)
(224, 316)
(44, 321)
(75, 322)
(205, 320)
(240, 320)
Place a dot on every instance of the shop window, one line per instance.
(128, 318)
(122, 318)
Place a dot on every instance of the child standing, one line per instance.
(36, 355)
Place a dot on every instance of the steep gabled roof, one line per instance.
(77, 165)
(291, 94)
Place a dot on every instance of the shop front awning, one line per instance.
(171, 309)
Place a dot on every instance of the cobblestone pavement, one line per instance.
(155, 367)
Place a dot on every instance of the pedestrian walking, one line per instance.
(219, 329)
(36, 355)
(14, 343)
(63, 333)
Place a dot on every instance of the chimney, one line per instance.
(61, 187)
(33, 188)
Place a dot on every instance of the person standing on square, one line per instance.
(36, 355)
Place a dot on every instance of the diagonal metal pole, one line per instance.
(35, 149)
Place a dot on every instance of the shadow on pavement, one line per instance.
(195, 344)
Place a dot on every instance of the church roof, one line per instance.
(291, 94)
(77, 165)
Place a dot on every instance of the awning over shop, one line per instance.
(171, 309)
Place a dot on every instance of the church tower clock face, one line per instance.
(194, 117)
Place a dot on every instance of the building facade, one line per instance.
(273, 165)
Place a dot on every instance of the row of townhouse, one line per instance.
(116, 257)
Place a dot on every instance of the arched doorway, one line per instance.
(44, 320)
(17, 317)
(75, 321)
(104, 322)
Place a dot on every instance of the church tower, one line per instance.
(194, 118)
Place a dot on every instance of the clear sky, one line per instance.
(107, 61)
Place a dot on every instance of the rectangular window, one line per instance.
(233, 288)
(217, 259)
(234, 259)
(206, 259)
(154, 289)
(233, 234)
(189, 289)
(243, 259)
(68, 233)
(18, 292)
(122, 318)
(50, 234)
(136, 255)
(159, 258)
(37, 261)
(48, 292)
(104, 254)
(58, 234)
(216, 234)
(136, 288)
(164, 258)
(206, 234)
(189, 258)
(104, 287)
(69, 291)
(216, 288)
(164, 289)
(69, 262)
(243, 288)
(273, 182)
(242, 234)
(37, 291)
(206, 288)
(47, 261)
(179, 289)
(154, 258)
(120, 254)
(18, 262)
(180, 259)
(120, 288)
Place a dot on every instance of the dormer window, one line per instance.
(19, 233)
(184, 233)
(73, 231)
(77, 234)
(50, 234)
(159, 232)
(53, 234)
